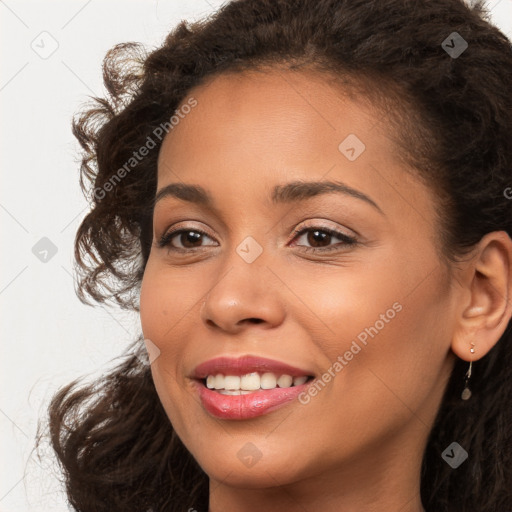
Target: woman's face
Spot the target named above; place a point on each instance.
(358, 299)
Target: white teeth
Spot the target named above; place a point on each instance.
(268, 381)
(285, 381)
(210, 381)
(298, 381)
(241, 385)
(219, 381)
(232, 382)
(250, 382)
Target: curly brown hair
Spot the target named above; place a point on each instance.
(453, 122)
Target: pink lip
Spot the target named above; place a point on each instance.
(246, 364)
(242, 407)
(257, 403)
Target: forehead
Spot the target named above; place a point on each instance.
(273, 108)
(252, 130)
(262, 119)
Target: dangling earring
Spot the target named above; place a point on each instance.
(466, 392)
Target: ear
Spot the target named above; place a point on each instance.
(487, 290)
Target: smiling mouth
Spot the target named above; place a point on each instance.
(252, 382)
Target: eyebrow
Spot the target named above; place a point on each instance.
(291, 192)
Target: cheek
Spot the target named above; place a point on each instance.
(391, 333)
(339, 304)
(153, 305)
(166, 298)
(162, 305)
(399, 374)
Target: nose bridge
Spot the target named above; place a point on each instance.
(244, 289)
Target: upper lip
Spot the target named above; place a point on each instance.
(245, 364)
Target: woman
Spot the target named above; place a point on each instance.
(307, 202)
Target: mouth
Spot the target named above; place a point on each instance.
(235, 385)
(248, 386)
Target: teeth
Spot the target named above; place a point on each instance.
(210, 382)
(241, 385)
(285, 381)
(268, 381)
(232, 382)
(298, 381)
(219, 381)
(250, 382)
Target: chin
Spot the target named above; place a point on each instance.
(260, 476)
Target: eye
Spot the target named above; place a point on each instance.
(320, 238)
(187, 238)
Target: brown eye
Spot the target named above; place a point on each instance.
(320, 239)
(184, 239)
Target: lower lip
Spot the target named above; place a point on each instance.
(242, 407)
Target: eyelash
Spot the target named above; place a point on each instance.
(347, 240)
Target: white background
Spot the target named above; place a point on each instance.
(48, 336)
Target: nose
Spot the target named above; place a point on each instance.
(245, 294)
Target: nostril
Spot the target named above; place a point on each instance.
(255, 320)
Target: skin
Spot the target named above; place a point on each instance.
(358, 444)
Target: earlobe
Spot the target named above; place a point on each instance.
(485, 316)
